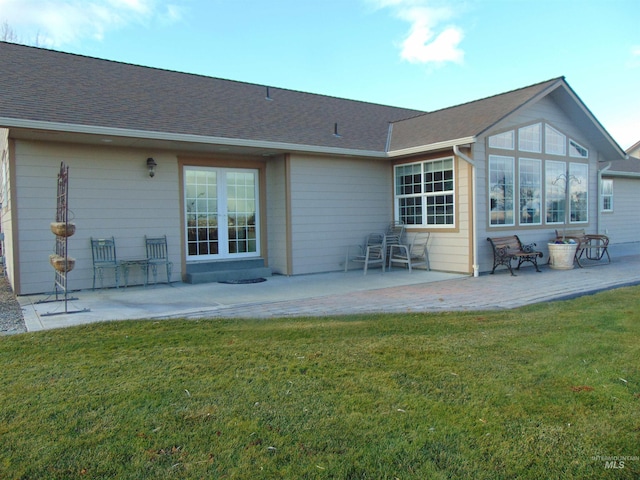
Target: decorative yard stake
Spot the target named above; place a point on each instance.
(62, 229)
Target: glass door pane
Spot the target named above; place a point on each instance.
(221, 212)
(201, 199)
(241, 212)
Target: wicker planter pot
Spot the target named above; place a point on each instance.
(561, 255)
(60, 264)
(62, 229)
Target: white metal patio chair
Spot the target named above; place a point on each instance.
(415, 254)
(372, 252)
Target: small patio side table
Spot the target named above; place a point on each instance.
(141, 263)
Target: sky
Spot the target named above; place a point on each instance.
(422, 54)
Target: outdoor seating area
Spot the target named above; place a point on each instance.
(104, 256)
(411, 255)
(387, 248)
(506, 249)
(589, 246)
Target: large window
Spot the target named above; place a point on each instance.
(555, 142)
(555, 188)
(424, 193)
(501, 182)
(578, 192)
(529, 138)
(530, 191)
(538, 177)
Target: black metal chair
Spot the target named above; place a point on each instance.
(103, 252)
(157, 255)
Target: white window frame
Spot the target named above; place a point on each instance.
(556, 147)
(576, 150)
(578, 182)
(528, 170)
(216, 207)
(503, 141)
(555, 191)
(606, 193)
(501, 194)
(422, 198)
(530, 138)
(554, 151)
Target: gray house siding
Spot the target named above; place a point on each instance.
(335, 202)
(110, 194)
(277, 208)
(622, 225)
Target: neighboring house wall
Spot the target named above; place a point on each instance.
(6, 201)
(622, 225)
(110, 194)
(543, 111)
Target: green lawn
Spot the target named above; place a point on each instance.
(548, 391)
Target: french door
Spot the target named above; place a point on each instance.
(221, 213)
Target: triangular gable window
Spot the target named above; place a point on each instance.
(577, 150)
(503, 140)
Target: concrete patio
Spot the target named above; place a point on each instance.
(336, 293)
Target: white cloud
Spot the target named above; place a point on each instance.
(634, 60)
(54, 23)
(425, 42)
(431, 39)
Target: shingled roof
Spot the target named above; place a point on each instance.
(50, 90)
(463, 122)
(48, 86)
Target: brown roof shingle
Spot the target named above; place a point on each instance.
(463, 121)
(50, 86)
(38, 85)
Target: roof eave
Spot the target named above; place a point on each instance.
(403, 152)
(613, 173)
(186, 138)
(617, 149)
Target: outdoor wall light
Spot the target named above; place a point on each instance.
(151, 165)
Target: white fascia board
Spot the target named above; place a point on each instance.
(613, 173)
(184, 137)
(431, 147)
(596, 123)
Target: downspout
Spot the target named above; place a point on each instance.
(599, 211)
(474, 254)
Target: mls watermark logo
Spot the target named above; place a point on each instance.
(615, 462)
